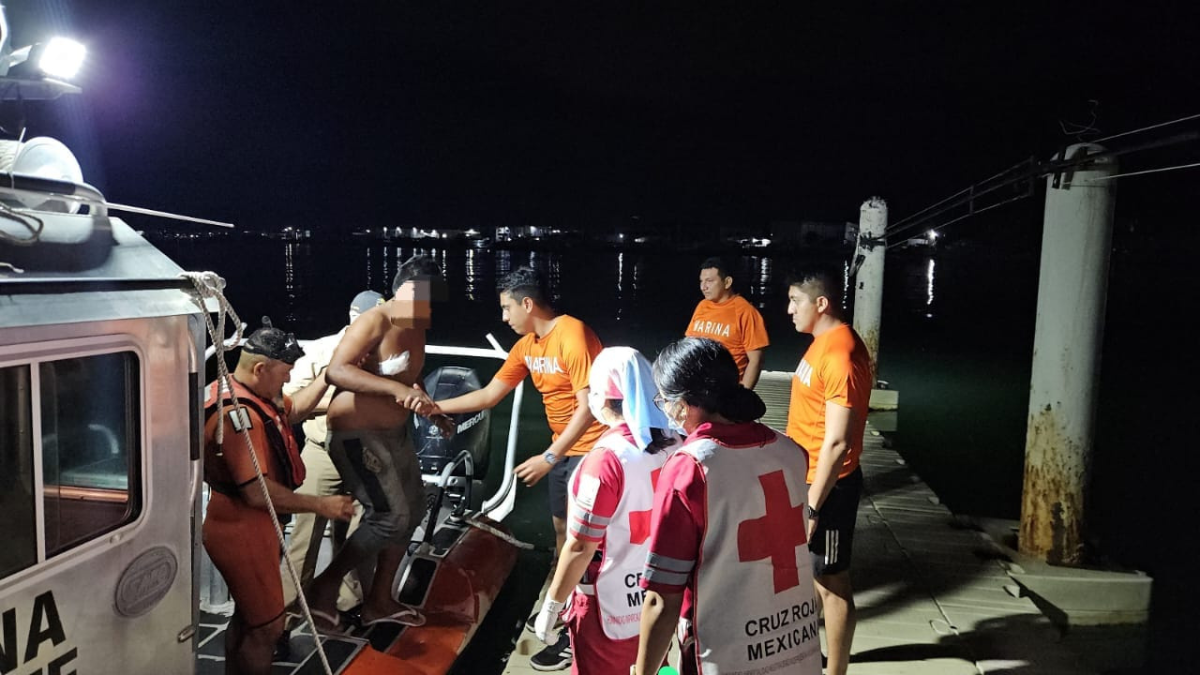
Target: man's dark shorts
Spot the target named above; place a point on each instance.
(559, 477)
(833, 540)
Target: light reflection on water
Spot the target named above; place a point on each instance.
(633, 296)
(929, 288)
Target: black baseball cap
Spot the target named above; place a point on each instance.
(273, 343)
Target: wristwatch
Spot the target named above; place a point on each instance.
(813, 514)
(550, 457)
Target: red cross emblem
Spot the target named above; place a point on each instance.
(639, 521)
(775, 535)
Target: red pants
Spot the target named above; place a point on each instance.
(596, 653)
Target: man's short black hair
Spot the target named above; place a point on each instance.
(524, 282)
(717, 264)
(821, 281)
(420, 267)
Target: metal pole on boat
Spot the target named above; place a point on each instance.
(1076, 239)
(868, 281)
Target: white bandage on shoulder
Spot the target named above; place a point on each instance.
(394, 364)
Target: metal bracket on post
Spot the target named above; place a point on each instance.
(862, 246)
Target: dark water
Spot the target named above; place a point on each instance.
(957, 341)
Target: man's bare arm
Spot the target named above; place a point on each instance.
(336, 507)
(480, 399)
(535, 468)
(306, 401)
(833, 452)
(308, 368)
(753, 368)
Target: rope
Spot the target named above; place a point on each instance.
(1152, 126)
(1160, 169)
(476, 522)
(210, 286)
(35, 229)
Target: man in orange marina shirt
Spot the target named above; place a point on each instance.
(725, 316)
(556, 350)
(827, 415)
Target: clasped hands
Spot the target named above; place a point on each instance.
(419, 402)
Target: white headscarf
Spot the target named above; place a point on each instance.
(623, 373)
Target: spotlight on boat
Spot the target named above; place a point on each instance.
(57, 59)
(61, 58)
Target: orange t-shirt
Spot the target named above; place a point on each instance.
(836, 368)
(734, 323)
(560, 364)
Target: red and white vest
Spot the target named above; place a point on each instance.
(626, 541)
(754, 608)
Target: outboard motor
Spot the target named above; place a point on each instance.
(472, 430)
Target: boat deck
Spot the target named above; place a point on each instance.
(933, 593)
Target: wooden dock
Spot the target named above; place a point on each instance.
(934, 594)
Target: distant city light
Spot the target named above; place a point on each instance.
(61, 58)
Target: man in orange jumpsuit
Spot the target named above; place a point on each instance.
(238, 533)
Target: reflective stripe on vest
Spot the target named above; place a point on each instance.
(617, 588)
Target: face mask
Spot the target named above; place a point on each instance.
(676, 424)
(596, 405)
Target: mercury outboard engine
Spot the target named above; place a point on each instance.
(472, 430)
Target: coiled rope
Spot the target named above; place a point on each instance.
(208, 286)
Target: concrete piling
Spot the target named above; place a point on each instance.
(1076, 240)
(868, 282)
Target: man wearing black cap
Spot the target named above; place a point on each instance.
(375, 368)
(238, 533)
(323, 477)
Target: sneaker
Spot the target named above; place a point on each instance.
(555, 657)
(531, 623)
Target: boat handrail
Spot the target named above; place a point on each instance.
(65, 190)
(499, 505)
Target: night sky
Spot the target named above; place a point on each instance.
(348, 114)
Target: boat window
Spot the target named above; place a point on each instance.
(17, 514)
(90, 431)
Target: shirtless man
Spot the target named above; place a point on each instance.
(375, 368)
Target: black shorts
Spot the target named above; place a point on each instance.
(833, 540)
(559, 477)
